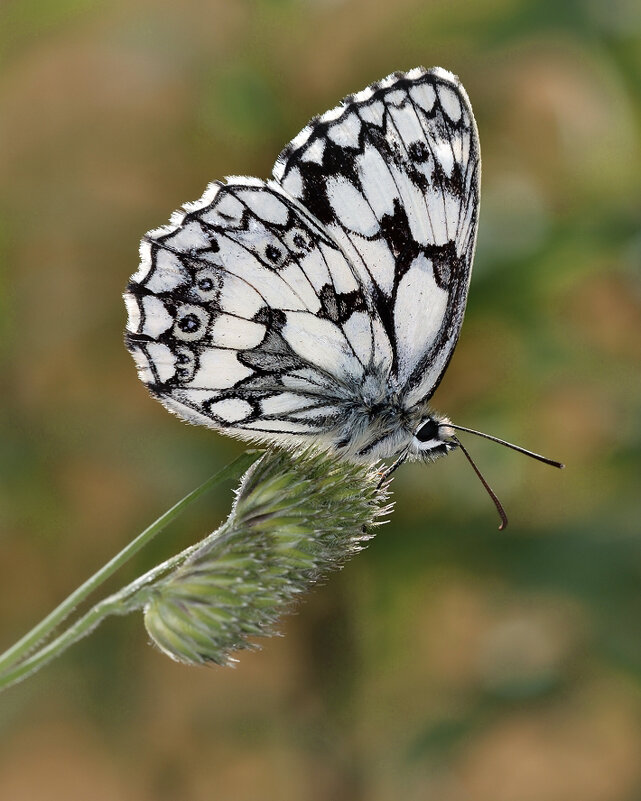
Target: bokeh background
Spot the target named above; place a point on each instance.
(448, 661)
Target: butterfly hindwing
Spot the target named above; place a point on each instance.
(393, 174)
(245, 314)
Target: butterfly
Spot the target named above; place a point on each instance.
(323, 306)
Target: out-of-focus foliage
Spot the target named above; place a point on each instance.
(448, 661)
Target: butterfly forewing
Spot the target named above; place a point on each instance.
(271, 309)
(393, 174)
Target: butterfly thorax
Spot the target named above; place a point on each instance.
(378, 426)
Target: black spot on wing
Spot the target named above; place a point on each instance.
(336, 161)
(448, 267)
(273, 319)
(418, 152)
(267, 361)
(272, 355)
(339, 306)
(329, 303)
(395, 228)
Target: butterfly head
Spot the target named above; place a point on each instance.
(432, 438)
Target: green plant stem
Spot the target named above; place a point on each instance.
(9, 673)
(129, 598)
(83, 626)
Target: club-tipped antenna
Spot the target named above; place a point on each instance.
(518, 448)
(490, 491)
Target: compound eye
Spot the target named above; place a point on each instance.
(427, 431)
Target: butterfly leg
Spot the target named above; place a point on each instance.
(387, 472)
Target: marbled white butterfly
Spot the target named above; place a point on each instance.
(323, 305)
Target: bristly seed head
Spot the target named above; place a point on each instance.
(296, 517)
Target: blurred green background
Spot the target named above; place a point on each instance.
(448, 661)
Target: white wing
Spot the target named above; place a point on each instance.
(393, 173)
(245, 315)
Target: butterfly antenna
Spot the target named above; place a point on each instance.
(538, 456)
(490, 491)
